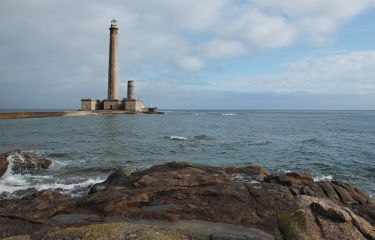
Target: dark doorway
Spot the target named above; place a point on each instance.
(110, 107)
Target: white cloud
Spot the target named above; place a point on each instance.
(219, 49)
(191, 63)
(343, 72)
(319, 20)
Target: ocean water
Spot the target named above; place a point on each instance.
(331, 145)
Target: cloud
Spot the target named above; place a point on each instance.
(219, 49)
(316, 20)
(342, 72)
(191, 63)
(58, 49)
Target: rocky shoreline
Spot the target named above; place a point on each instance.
(185, 201)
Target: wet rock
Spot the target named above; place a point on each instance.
(18, 194)
(22, 162)
(25, 161)
(3, 164)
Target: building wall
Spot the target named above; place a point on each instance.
(133, 105)
(89, 105)
(112, 105)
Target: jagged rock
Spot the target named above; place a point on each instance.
(3, 164)
(367, 211)
(22, 162)
(17, 194)
(363, 226)
(176, 192)
(313, 218)
(331, 211)
(303, 184)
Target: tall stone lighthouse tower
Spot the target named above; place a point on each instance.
(113, 62)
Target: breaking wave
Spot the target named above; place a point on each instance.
(229, 114)
(193, 138)
(179, 138)
(323, 178)
(15, 185)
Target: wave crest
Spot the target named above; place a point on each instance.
(193, 138)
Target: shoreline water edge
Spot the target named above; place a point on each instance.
(179, 200)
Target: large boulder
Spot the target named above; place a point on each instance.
(22, 162)
(181, 191)
(317, 219)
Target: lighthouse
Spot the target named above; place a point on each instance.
(130, 104)
(113, 102)
(113, 62)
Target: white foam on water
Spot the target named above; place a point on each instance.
(228, 114)
(38, 176)
(178, 138)
(68, 188)
(11, 182)
(285, 170)
(323, 178)
(59, 164)
(20, 182)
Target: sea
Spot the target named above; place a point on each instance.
(330, 145)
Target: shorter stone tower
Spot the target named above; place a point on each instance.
(131, 89)
(131, 103)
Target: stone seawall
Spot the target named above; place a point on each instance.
(16, 115)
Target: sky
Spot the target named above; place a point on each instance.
(211, 54)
